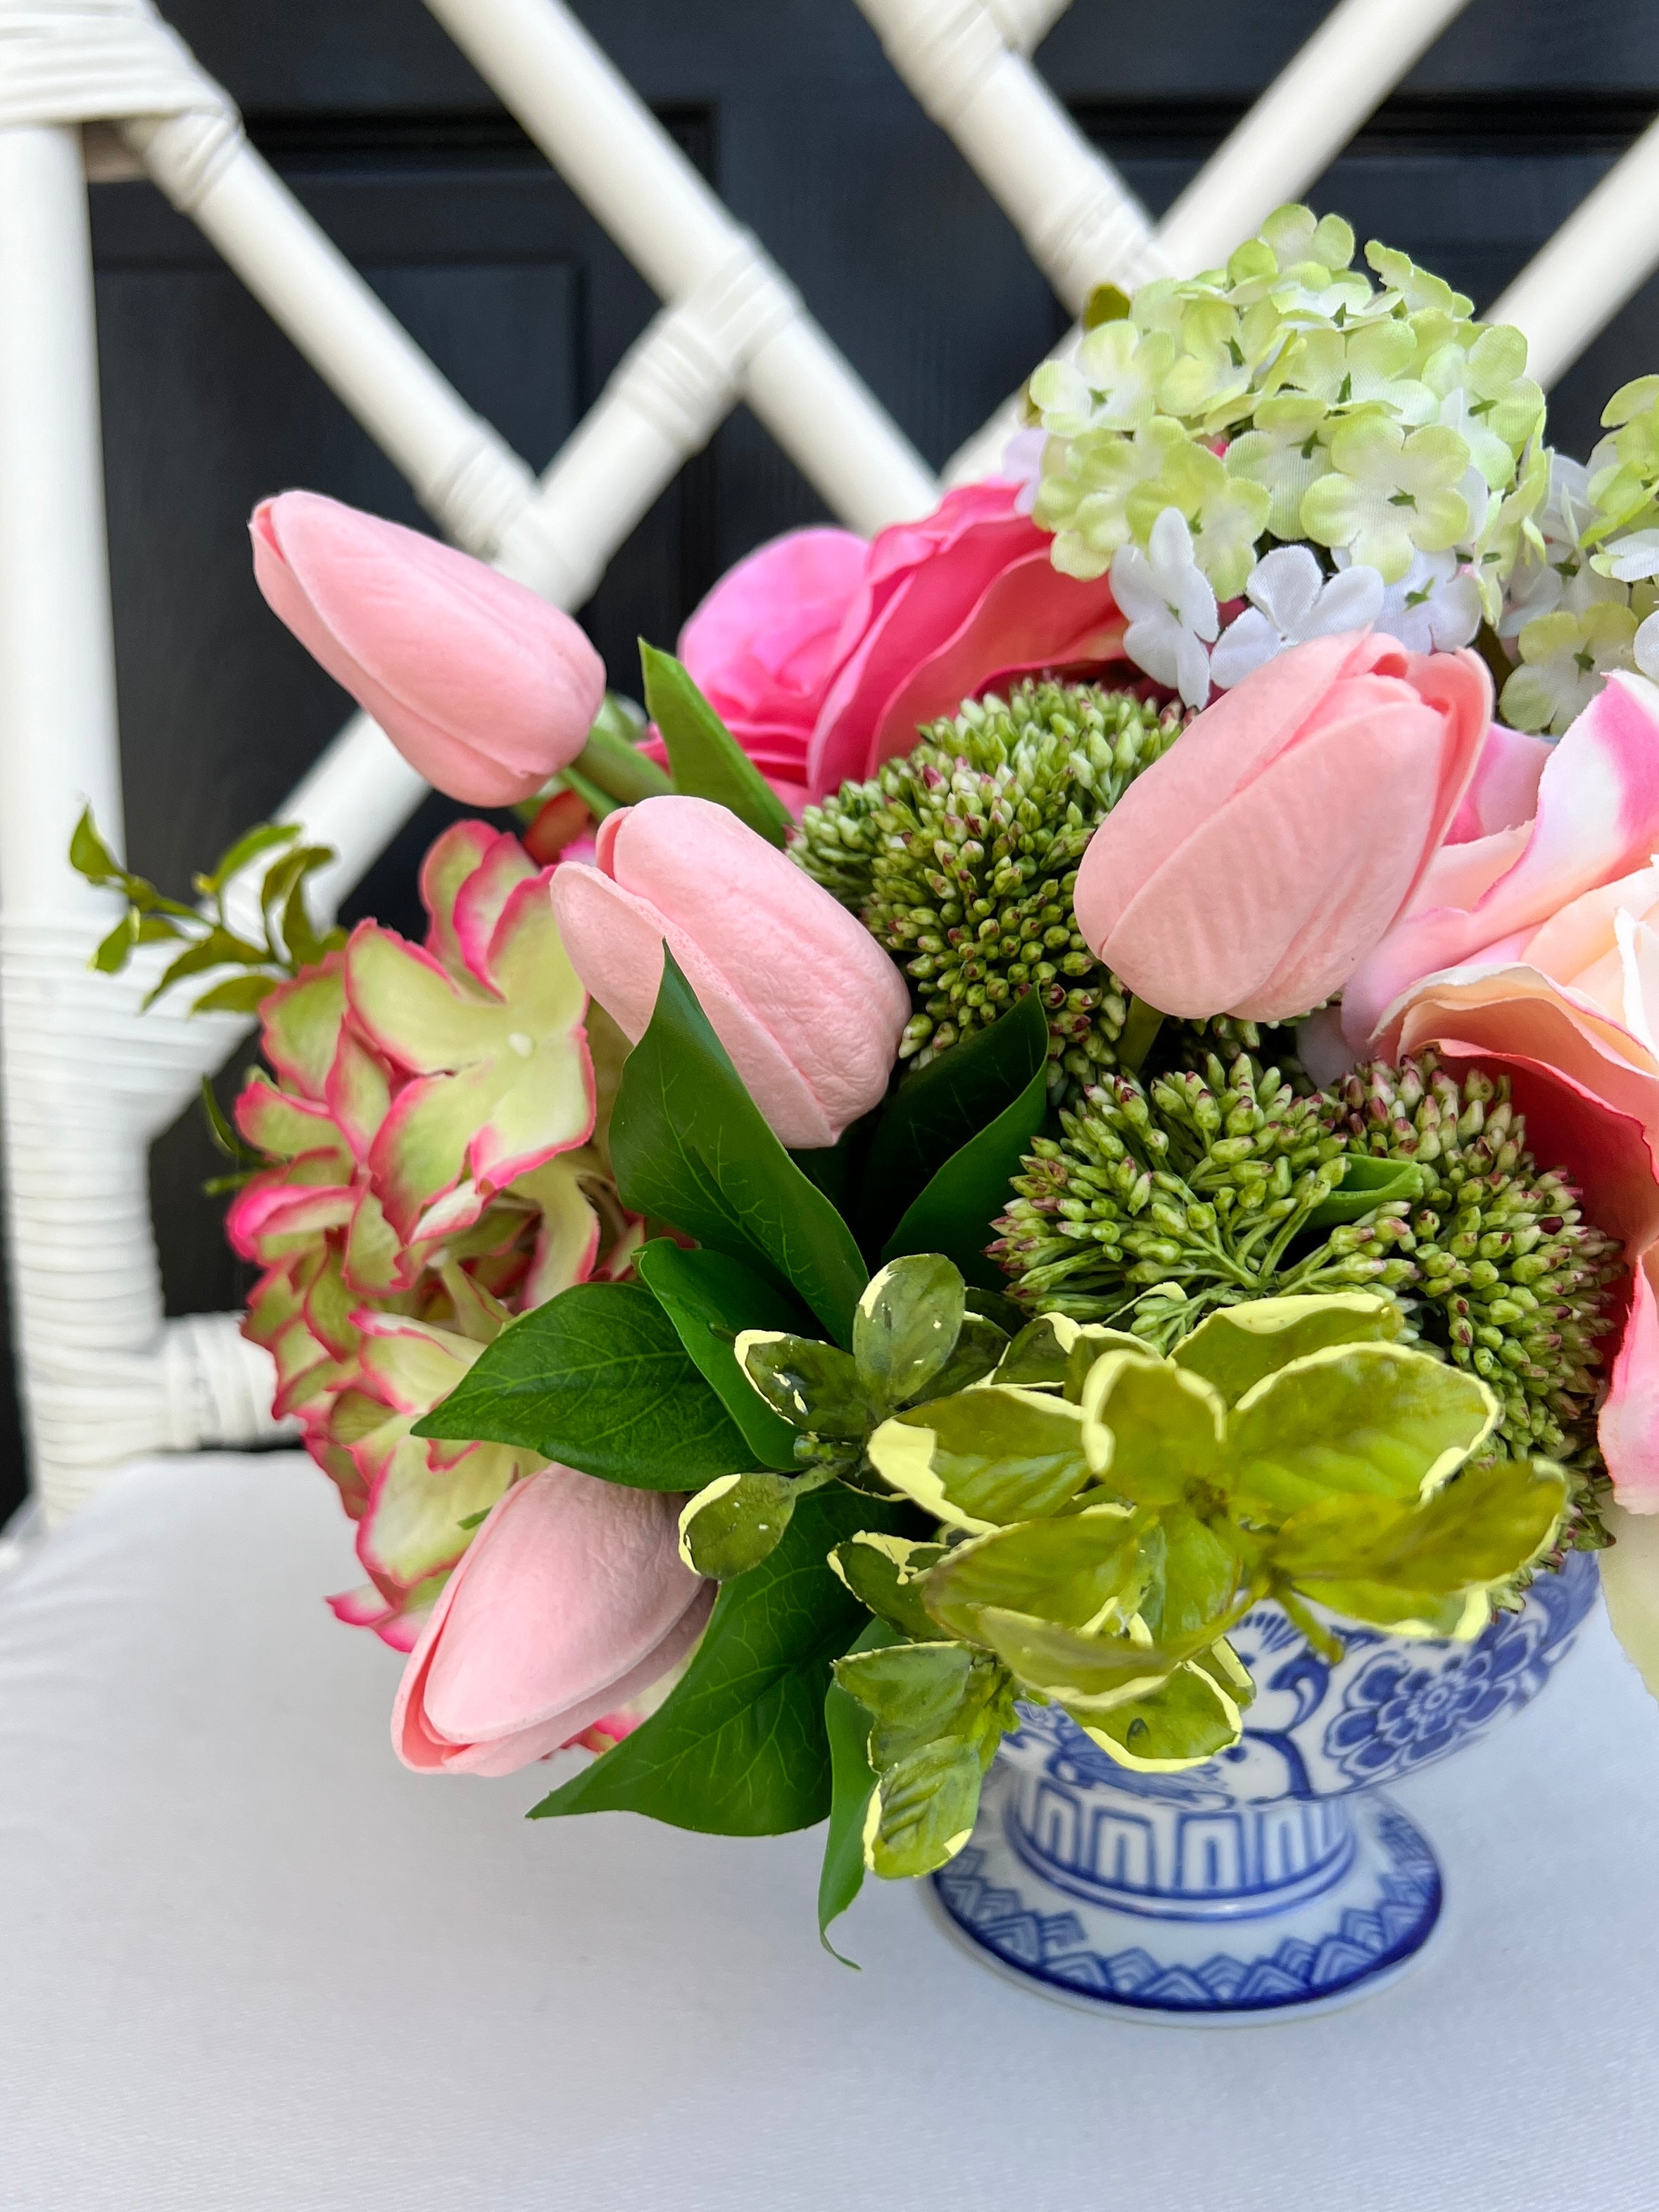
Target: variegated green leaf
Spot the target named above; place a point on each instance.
(883, 1573)
(922, 1809)
(905, 1326)
(1084, 1569)
(735, 1522)
(1186, 1720)
(1235, 1348)
(810, 1385)
(1151, 1432)
(985, 1457)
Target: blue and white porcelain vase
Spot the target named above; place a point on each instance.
(1275, 1879)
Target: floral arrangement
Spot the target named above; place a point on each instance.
(1077, 1068)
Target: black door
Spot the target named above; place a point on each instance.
(789, 106)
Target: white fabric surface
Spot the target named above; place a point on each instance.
(249, 1965)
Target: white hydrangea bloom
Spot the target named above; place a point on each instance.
(1435, 607)
(1291, 601)
(1170, 605)
(1631, 559)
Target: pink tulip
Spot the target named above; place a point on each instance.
(963, 602)
(1252, 869)
(481, 686)
(800, 995)
(572, 1600)
(1595, 818)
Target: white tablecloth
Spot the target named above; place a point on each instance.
(247, 1961)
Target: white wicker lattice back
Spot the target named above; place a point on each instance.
(88, 1082)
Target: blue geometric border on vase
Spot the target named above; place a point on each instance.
(1268, 1878)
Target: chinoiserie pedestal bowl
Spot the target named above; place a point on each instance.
(1269, 1882)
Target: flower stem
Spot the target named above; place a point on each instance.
(1140, 1030)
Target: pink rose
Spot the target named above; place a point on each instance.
(1557, 822)
(571, 1601)
(762, 646)
(963, 602)
(800, 995)
(484, 687)
(824, 655)
(1254, 867)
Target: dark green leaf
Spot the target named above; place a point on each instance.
(707, 759)
(955, 1213)
(690, 1147)
(1367, 1184)
(223, 1132)
(597, 1379)
(852, 1780)
(935, 1112)
(739, 1748)
(709, 1298)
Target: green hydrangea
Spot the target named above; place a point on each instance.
(962, 858)
(1200, 1191)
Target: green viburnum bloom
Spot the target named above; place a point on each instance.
(1156, 1204)
(1223, 351)
(1286, 453)
(962, 858)
(1108, 1514)
(1484, 393)
(1565, 659)
(1369, 366)
(1512, 533)
(1415, 289)
(1624, 480)
(1226, 514)
(1391, 493)
(1084, 492)
(1112, 383)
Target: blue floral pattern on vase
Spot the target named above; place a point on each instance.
(1267, 1879)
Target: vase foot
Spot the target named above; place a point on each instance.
(1283, 1961)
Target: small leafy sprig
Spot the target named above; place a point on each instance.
(290, 941)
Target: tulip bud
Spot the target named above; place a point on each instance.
(1251, 869)
(806, 1003)
(483, 687)
(571, 1601)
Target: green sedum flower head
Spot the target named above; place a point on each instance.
(1156, 1206)
(961, 859)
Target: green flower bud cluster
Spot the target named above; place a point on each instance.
(1157, 1204)
(961, 859)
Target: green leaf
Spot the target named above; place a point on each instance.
(1088, 1675)
(1236, 1346)
(248, 847)
(989, 1455)
(807, 1384)
(906, 1325)
(1150, 1430)
(1082, 1569)
(710, 1298)
(738, 1748)
(219, 948)
(923, 1809)
(979, 1345)
(707, 759)
(734, 1522)
(1186, 1720)
(240, 995)
(883, 1573)
(597, 1379)
(938, 1108)
(115, 950)
(852, 1781)
(691, 1148)
(225, 1136)
(1366, 1184)
(1365, 1419)
(954, 1214)
(1392, 1560)
(89, 856)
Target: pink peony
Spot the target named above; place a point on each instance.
(572, 1601)
(824, 655)
(805, 1001)
(483, 687)
(1261, 859)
